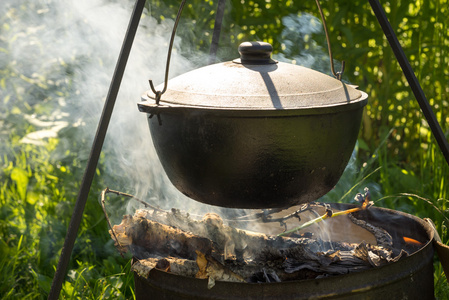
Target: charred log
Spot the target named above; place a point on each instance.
(208, 248)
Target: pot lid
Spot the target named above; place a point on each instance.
(255, 81)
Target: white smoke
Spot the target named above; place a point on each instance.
(72, 48)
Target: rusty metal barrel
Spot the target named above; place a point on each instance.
(409, 278)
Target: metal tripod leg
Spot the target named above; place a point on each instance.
(100, 136)
(92, 162)
(217, 31)
(411, 78)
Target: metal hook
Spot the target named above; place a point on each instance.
(158, 94)
(336, 74)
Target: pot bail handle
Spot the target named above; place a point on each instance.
(158, 94)
(338, 74)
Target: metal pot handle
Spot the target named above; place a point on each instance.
(336, 74)
(158, 94)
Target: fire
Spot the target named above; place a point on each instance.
(412, 241)
(213, 248)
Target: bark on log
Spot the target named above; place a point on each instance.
(146, 236)
(232, 242)
(208, 248)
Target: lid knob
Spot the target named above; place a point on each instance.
(256, 53)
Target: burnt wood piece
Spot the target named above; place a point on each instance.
(225, 253)
(144, 237)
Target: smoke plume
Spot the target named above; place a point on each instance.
(70, 48)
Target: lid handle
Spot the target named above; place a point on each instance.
(256, 53)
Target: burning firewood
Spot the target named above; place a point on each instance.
(175, 242)
(273, 267)
(232, 242)
(220, 252)
(142, 235)
(169, 264)
(208, 235)
(211, 269)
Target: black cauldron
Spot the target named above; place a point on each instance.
(253, 132)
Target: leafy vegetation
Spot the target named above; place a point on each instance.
(44, 142)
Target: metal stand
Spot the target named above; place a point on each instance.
(97, 145)
(411, 78)
(112, 96)
(217, 31)
(75, 221)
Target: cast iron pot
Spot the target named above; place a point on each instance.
(253, 132)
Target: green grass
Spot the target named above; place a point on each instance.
(33, 222)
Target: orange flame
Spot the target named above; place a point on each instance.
(412, 241)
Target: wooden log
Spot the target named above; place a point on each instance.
(146, 236)
(232, 242)
(178, 266)
(208, 248)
